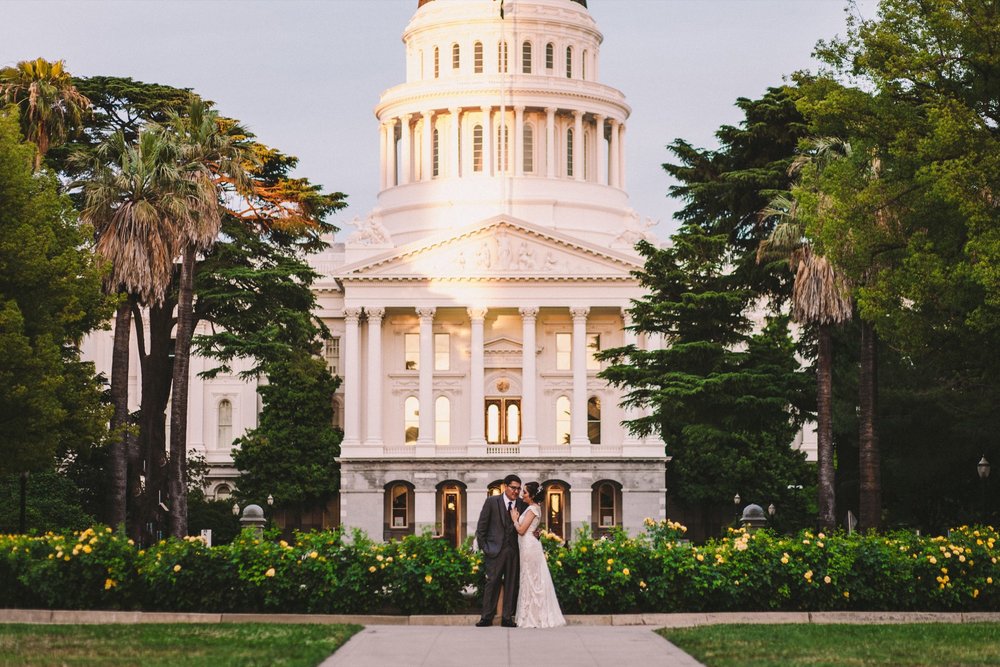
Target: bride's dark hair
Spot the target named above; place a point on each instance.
(535, 491)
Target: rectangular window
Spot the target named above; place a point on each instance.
(526, 58)
(411, 351)
(331, 353)
(529, 149)
(442, 352)
(549, 56)
(477, 58)
(564, 351)
(593, 347)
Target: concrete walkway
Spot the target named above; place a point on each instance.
(461, 646)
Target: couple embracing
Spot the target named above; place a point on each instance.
(507, 535)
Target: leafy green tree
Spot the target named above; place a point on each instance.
(50, 296)
(727, 402)
(291, 454)
(53, 503)
(51, 107)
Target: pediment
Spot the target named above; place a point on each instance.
(498, 249)
(502, 345)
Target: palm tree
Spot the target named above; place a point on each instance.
(213, 155)
(133, 196)
(820, 298)
(50, 105)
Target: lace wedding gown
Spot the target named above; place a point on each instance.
(537, 606)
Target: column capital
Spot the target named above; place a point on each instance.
(519, 108)
(477, 313)
(614, 122)
(374, 312)
(454, 110)
(426, 311)
(427, 113)
(551, 110)
(577, 113)
(579, 312)
(352, 314)
(528, 312)
(486, 108)
(406, 117)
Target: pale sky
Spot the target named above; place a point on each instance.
(306, 75)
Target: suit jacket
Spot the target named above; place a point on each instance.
(495, 529)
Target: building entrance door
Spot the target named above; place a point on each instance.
(450, 514)
(555, 510)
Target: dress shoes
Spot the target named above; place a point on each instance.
(508, 624)
(484, 623)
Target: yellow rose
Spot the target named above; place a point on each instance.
(611, 561)
(583, 550)
(270, 572)
(700, 558)
(109, 584)
(379, 558)
(625, 572)
(177, 568)
(87, 549)
(989, 580)
(314, 554)
(428, 578)
(642, 584)
(371, 569)
(827, 579)
(847, 594)
(808, 575)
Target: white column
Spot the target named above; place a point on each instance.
(352, 380)
(390, 155)
(426, 384)
(631, 413)
(454, 168)
(406, 152)
(426, 171)
(550, 142)
(487, 141)
(373, 404)
(613, 161)
(518, 152)
(578, 419)
(383, 133)
(600, 150)
(477, 379)
(529, 401)
(578, 145)
(621, 158)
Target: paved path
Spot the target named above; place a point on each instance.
(460, 646)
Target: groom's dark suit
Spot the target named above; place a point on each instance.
(497, 540)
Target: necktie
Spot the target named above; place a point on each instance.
(510, 505)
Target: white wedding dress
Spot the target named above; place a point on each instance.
(537, 606)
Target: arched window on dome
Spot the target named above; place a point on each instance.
(477, 148)
(225, 435)
(477, 57)
(569, 62)
(563, 420)
(411, 419)
(550, 56)
(503, 131)
(528, 149)
(442, 421)
(526, 58)
(437, 62)
(435, 154)
(502, 57)
(569, 152)
(456, 56)
(594, 420)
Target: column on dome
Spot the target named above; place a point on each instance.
(426, 375)
(373, 402)
(406, 154)
(477, 379)
(352, 379)
(613, 161)
(390, 153)
(383, 155)
(487, 141)
(529, 380)
(600, 153)
(631, 412)
(578, 419)
(426, 151)
(518, 152)
(578, 141)
(621, 158)
(454, 166)
(550, 142)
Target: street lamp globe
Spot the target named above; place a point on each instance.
(236, 509)
(983, 467)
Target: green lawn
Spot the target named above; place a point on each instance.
(215, 645)
(924, 644)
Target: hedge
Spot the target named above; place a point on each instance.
(657, 571)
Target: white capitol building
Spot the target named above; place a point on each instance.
(466, 306)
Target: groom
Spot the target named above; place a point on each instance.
(497, 539)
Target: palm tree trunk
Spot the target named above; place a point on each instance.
(119, 418)
(870, 507)
(824, 429)
(179, 396)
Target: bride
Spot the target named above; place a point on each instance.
(537, 606)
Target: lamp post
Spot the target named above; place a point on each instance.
(736, 506)
(983, 468)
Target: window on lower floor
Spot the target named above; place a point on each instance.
(223, 492)
(593, 347)
(563, 420)
(331, 354)
(442, 352)
(399, 505)
(411, 419)
(607, 504)
(564, 351)
(411, 351)
(594, 420)
(225, 435)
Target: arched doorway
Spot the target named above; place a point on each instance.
(451, 511)
(557, 508)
